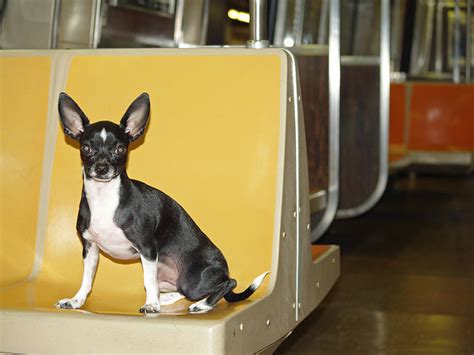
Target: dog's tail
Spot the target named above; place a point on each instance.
(231, 296)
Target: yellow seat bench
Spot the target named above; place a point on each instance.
(225, 139)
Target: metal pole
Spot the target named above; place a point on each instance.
(97, 24)
(53, 41)
(258, 24)
(468, 40)
(334, 110)
(457, 44)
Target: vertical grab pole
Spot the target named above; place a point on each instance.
(468, 41)
(258, 25)
(457, 43)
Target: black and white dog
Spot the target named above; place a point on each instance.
(128, 219)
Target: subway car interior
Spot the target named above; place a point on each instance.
(327, 143)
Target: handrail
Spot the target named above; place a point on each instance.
(258, 25)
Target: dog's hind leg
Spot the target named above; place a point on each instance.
(210, 302)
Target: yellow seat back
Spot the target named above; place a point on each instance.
(212, 144)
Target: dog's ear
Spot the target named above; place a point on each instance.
(135, 119)
(73, 119)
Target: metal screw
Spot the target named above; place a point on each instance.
(241, 326)
(294, 214)
(299, 98)
(317, 284)
(283, 234)
(299, 304)
(307, 226)
(293, 306)
(333, 260)
(268, 322)
(290, 99)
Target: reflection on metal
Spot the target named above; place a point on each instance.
(384, 116)
(54, 28)
(334, 100)
(301, 22)
(360, 31)
(78, 24)
(397, 25)
(298, 22)
(422, 37)
(457, 44)
(295, 92)
(359, 60)
(178, 22)
(439, 39)
(311, 50)
(168, 23)
(323, 22)
(27, 24)
(317, 201)
(280, 23)
(436, 159)
(191, 20)
(258, 25)
(440, 47)
(97, 23)
(290, 22)
(469, 41)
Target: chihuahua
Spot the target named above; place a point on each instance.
(128, 219)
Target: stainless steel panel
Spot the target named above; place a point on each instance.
(193, 24)
(77, 23)
(360, 23)
(152, 23)
(27, 24)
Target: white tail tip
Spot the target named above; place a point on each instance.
(259, 280)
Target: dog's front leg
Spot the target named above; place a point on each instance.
(150, 278)
(90, 259)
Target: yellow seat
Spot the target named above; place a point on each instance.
(221, 141)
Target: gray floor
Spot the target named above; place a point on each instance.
(407, 276)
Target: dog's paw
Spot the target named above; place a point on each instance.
(200, 307)
(69, 303)
(150, 308)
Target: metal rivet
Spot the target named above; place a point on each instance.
(317, 284)
(268, 322)
(299, 98)
(241, 326)
(307, 226)
(283, 234)
(293, 306)
(290, 99)
(294, 214)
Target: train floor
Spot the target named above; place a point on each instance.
(407, 275)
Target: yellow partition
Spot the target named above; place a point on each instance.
(24, 89)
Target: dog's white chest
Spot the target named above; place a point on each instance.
(103, 199)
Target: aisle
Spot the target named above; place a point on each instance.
(407, 276)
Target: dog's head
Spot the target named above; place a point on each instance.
(104, 145)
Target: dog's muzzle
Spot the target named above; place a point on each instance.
(101, 172)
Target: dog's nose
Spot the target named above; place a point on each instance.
(101, 169)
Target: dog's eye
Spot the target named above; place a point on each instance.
(120, 150)
(86, 149)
